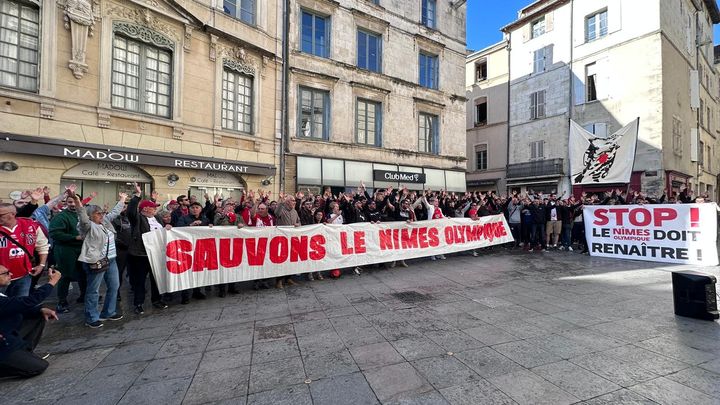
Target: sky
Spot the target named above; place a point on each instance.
(486, 17)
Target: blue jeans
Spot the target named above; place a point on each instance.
(567, 234)
(92, 294)
(19, 287)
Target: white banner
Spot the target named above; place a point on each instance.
(600, 160)
(668, 233)
(183, 258)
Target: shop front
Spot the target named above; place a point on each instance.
(108, 170)
(315, 173)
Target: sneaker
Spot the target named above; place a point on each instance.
(310, 277)
(94, 325)
(279, 284)
(290, 282)
(43, 355)
(432, 258)
(115, 317)
(475, 254)
(62, 307)
(320, 277)
(159, 304)
(139, 310)
(569, 249)
(441, 257)
(402, 263)
(357, 270)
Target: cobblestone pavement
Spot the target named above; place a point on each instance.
(503, 328)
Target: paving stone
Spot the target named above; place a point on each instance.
(120, 376)
(666, 391)
(613, 369)
(223, 359)
(389, 381)
(274, 332)
(45, 387)
(479, 392)
(82, 360)
(620, 397)
(323, 365)
(526, 387)
(699, 379)
(424, 398)
(186, 345)
(171, 367)
(677, 350)
(526, 354)
(454, 341)
(274, 350)
(297, 394)
(130, 353)
(463, 320)
(417, 348)
(575, 380)
(339, 312)
(276, 374)
(445, 371)
(522, 328)
(218, 385)
(648, 360)
(167, 392)
(487, 362)
(559, 346)
(98, 396)
(320, 343)
(713, 365)
(592, 340)
(225, 340)
(351, 389)
(313, 327)
(375, 355)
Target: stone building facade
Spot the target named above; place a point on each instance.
(602, 64)
(180, 96)
(487, 86)
(376, 90)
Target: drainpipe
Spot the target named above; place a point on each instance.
(284, 138)
(507, 146)
(571, 103)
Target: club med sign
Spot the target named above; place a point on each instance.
(399, 177)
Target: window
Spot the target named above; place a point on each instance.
(709, 157)
(702, 113)
(429, 11)
(368, 123)
(537, 105)
(428, 71)
(598, 128)
(314, 113)
(369, 51)
(596, 26)
(237, 101)
(591, 82)
(541, 59)
(141, 77)
(315, 34)
(481, 71)
(481, 156)
(481, 111)
(538, 27)
(536, 150)
(19, 42)
(243, 10)
(428, 133)
(701, 155)
(677, 136)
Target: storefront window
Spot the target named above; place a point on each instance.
(385, 184)
(455, 181)
(357, 173)
(309, 170)
(434, 179)
(333, 172)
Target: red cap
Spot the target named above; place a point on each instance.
(147, 203)
(172, 202)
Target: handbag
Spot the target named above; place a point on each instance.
(103, 264)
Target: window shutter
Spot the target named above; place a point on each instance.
(694, 89)
(532, 150)
(549, 21)
(526, 31)
(548, 57)
(533, 106)
(693, 144)
(541, 103)
(541, 151)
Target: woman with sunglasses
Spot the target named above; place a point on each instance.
(98, 233)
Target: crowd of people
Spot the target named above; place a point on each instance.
(90, 244)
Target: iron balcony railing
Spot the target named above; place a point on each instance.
(536, 168)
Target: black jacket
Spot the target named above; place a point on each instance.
(189, 219)
(138, 226)
(13, 310)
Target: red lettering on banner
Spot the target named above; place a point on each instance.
(433, 239)
(635, 216)
(205, 256)
(178, 259)
(231, 256)
(256, 248)
(449, 235)
(278, 249)
(298, 249)
(386, 239)
(422, 238)
(409, 238)
(317, 247)
(396, 238)
(344, 244)
(359, 238)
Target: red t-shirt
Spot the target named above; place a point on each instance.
(11, 255)
(260, 222)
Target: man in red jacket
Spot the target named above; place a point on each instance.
(20, 239)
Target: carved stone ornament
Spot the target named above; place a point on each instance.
(143, 17)
(188, 37)
(80, 20)
(213, 47)
(236, 59)
(143, 34)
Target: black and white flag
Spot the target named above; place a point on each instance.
(598, 160)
